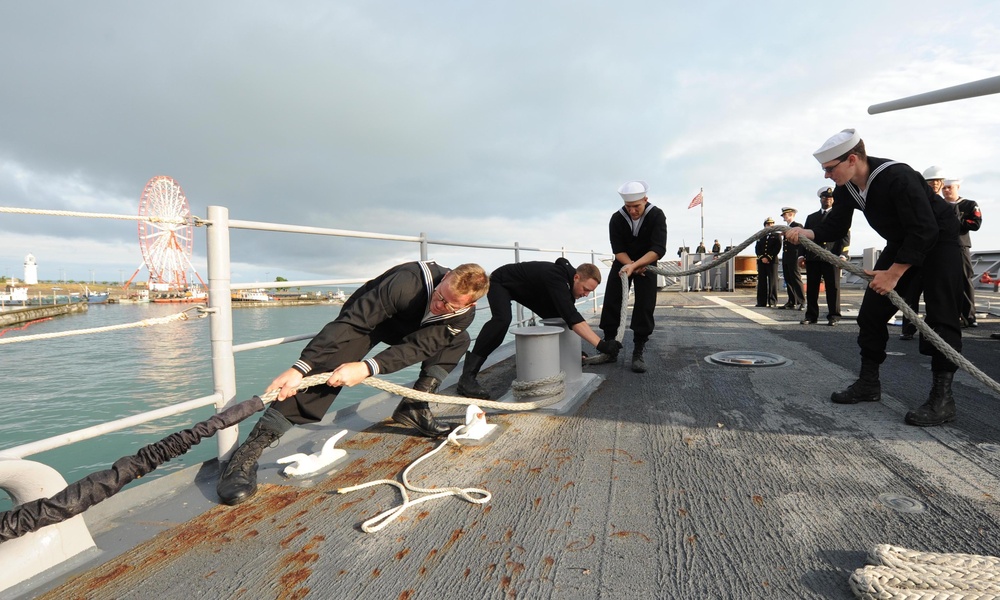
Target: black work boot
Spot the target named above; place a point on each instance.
(417, 414)
(238, 481)
(867, 388)
(638, 365)
(940, 405)
(468, 386)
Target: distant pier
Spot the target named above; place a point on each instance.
(32, 313)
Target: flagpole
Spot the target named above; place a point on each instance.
(702, 192)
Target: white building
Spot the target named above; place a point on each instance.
(30, 270)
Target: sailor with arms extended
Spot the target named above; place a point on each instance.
(921, 234)
(550, 290)
(420, 309)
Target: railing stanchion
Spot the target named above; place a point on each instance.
(221, 320)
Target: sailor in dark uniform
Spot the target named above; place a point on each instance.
(638, 232)
(969, 219)
(550, 290)
(767, 249)
(818, 270)
(420, 309)
(921, 234)
(790, 264)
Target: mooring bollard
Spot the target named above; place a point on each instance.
(537, 352)
(570, 350)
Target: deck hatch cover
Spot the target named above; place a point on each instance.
(900, 503)
(747, 358)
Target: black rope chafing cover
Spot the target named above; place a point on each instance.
(79, 496)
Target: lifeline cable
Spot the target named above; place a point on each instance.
(96, 487)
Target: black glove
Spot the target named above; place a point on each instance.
(610, 348)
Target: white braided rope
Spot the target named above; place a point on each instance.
(902, 574)
(181, 316)
(388, 516)
(399, 390)
(73, 213)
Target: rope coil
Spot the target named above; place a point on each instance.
(903, 574)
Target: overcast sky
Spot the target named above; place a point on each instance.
(469, 121)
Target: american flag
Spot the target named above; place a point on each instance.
(696, 200)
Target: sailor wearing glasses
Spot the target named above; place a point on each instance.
(420, 309)
(921, 234)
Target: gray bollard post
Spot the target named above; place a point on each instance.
(537, 351)
(570, 350)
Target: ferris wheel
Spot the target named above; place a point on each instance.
(166, 233)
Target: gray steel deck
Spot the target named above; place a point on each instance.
(693, 480)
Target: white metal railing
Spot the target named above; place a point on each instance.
(218, 227)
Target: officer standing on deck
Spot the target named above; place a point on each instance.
(767, 249)
(969, 219)
(638, 232)
(790, 264)
(921, 234)
(818, 270)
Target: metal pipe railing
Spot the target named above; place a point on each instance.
(218, 226)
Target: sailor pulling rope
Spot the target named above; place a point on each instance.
(96, 487)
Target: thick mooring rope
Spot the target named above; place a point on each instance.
(181, 316)
(929, 334)
(550, 391)
(902, 574)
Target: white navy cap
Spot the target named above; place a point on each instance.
(788, 209)
(633, 191)
(935, 172)
(953, 182)
(826, 191)
(837, 145)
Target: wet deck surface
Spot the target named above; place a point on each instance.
(693, 480)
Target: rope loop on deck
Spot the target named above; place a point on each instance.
(181, 316)
(902, 574)
(381, 520)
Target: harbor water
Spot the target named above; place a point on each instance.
(60, 385)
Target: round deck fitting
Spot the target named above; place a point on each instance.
(900, 503)
(747, 358)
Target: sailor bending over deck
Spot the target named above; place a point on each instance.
(921, 234)
(550, 290)
(422, 310)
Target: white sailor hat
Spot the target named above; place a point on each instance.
(788, 209)
(633, 191)
(953, 182)
(934, 172)
(837, 145)
(826, 191)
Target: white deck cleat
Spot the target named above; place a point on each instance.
(476, 427)
(307, 464)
